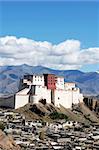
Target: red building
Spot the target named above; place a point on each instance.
(50, 82)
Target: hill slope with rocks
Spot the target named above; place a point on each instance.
(47, 112)
(10, 78)
(7, 143)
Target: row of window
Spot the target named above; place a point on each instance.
(50, 83)
(38, 80)
(60, 84)
(39, 77)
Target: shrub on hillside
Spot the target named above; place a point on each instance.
(57, 115)
(2, 126)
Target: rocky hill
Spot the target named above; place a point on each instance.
(10, 77)
(48, 112)
(7, 143)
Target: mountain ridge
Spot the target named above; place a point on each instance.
(10, 77)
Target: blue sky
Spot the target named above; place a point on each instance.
(53, 22)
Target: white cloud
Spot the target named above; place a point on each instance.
(65, 55)
(89, 56)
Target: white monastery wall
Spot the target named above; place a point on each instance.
(67, 97)
(69, 85)
(21, 98)
(38, 80)
(64, 98)
(41, 93)
(59, 83)
(77, 96)
(65, 93)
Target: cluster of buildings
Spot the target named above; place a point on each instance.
(49, 87)
(59, 135)
(73, 135)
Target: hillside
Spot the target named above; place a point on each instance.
(80, 113)
(7, 143)
(10, 77)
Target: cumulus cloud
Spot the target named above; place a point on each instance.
(65, 55)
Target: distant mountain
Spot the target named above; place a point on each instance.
(97, 71)
(10, 77)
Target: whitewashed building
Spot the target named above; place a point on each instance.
(59, 83)
(39, 92)
(67, 97)
(64, 94)
(64, 98)
(38, 80)
(69, 85)
(34, 79)
(48, 87)
(22, 98)
(77, 96)
(15, 101)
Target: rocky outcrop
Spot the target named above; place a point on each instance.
(7, 143)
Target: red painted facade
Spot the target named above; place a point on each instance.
(50, 81)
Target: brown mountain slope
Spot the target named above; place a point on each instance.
(79, 113)
(7, 143)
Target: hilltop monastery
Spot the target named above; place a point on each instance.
(47, 87)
